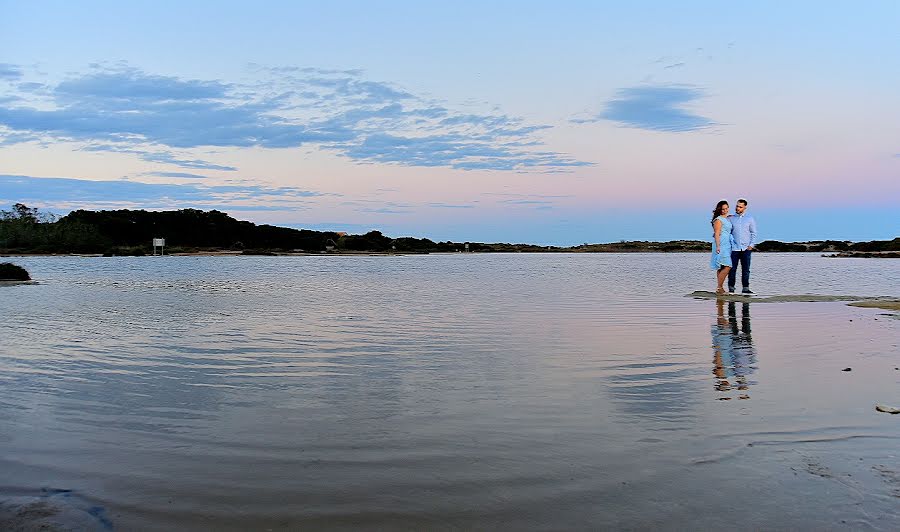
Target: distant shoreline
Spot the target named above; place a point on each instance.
(123, 232)
(347, 253)
(865, 255)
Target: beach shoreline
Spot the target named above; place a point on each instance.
(266, 253)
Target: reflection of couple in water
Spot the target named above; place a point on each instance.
(734, 357)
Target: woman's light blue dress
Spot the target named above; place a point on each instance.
(723, 257)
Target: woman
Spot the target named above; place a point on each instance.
(721, 249)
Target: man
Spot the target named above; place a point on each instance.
(743, 234)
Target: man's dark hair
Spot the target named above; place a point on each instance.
(742, 200)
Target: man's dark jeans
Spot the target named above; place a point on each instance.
(744, 258)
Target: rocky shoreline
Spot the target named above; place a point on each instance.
(865, 255)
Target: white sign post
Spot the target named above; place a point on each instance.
(161, 244)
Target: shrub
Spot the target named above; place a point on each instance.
(774, 245)
(125, 251)
(258, 252)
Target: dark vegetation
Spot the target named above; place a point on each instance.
(130, 232)
(11, 272)
(832, 246)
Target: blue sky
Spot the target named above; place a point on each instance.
(562, 123)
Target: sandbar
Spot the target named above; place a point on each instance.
(882, 302)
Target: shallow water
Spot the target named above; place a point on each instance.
(457, 391)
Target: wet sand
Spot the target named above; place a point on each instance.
(16, 283)
(886, 304)
(51, 511)
(882, 302)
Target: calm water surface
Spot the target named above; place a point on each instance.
(558, 391)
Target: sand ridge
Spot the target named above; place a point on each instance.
(882, 302)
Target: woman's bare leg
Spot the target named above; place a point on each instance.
(721, 275)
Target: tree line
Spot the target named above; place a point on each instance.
(130, 232)
(25, 229)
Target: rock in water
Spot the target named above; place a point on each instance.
(11, 272)
(887, 409)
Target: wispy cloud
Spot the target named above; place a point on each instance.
(130, 107)
(516, 195)
(655, 108)
(9, 71)
(157, 156)
(124, 86)
(57, 190)
(535, 202)
(169, 158)
(452, 150)
(387, 210)
(181, 175)
(528, 203)
(124, 109)
(451, 206)
(380, 207)
(9, 139)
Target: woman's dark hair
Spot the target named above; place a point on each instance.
(717, 211)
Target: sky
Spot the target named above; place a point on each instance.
(558, 122)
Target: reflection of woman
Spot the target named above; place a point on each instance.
(734, 357)
(721, 248)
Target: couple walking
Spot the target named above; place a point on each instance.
(734, 237)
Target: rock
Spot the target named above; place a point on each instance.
(887, 409)
(52, 510)
(11, 272)
(847, 369)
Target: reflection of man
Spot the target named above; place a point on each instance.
(744, 355)
(743, 234)
(734, 357)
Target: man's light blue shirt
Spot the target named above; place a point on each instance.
(743, 231)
